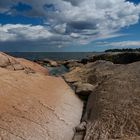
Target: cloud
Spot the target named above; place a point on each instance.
(13, 32)
(122, 44)
(32, 35)
(71, 20)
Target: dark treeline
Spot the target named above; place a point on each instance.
(123, 50)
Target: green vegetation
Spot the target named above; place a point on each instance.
(123, 50)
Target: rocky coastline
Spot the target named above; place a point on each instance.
(34, 105)
(107, 84)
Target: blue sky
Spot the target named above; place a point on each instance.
(69, 25)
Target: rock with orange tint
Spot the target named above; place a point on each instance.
(34, 66)
(34, 106)
(15, 64)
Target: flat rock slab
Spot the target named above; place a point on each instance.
(37, 107)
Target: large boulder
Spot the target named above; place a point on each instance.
(34, 106)
(112, 111)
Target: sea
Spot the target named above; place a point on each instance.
(52, 55)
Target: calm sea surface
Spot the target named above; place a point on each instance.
(52, 55)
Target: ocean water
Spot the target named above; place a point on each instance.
(51, 55)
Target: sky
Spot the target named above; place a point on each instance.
(69, 25)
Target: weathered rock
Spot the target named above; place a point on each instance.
(113, 109)
(16, 64)
(48, 62)
(84, 89)
(34, 106)
(71, 64)
(74, 75)
(33, 66)
(95, 72)
(4, 61)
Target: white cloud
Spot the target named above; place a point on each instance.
(72, 20)
(38, 34)
(122, 44)
(103, 15)
(13, 32)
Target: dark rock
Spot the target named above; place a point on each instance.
(115, 57)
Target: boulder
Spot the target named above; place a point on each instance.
(53, 63)
(73, 76)
(84, 89)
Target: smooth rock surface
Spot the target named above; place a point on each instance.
(34, 106)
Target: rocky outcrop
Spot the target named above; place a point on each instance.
(16, 64)
(71, 64)
(34, 106)
(9, 62)
(115, 57)
(113, 107)
(47, 62)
